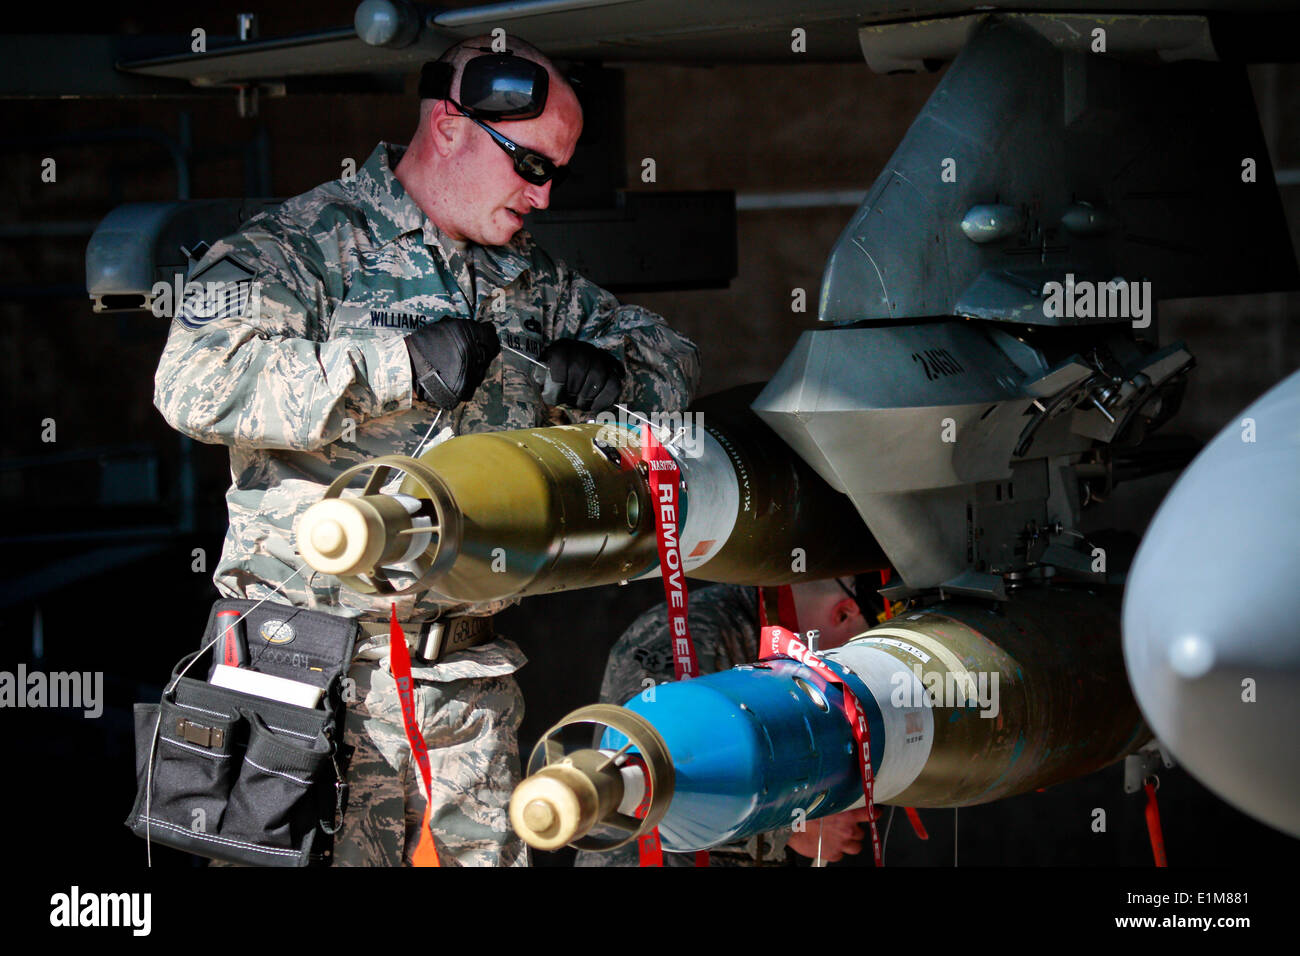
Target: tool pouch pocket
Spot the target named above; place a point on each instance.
(242, 778)
(278, 799)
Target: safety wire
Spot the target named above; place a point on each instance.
(884, 843)
(419, 450)
(157, 726)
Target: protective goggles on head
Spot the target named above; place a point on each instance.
(497, 87)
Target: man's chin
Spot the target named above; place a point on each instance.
(499, 235)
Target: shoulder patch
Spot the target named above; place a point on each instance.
(224, 290)
(225, 269)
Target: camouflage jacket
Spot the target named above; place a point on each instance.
(292, 355)
(724, 630)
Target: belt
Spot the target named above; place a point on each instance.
(429, 640)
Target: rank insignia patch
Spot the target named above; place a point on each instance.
(216, 292)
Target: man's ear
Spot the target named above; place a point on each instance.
(844, 611)
(445, 130)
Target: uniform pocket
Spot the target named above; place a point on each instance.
(277, 799)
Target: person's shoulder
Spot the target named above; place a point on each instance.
(642, 650)
(647, 627)
(706, 607)
(304, 234)
(318, 212)
(726, 600)
(284, 225)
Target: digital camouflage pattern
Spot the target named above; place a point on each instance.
(724, 629)
(292, 356)
(297, 363)
(469, 728)
(723, 619)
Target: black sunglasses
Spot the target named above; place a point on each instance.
(531, 166)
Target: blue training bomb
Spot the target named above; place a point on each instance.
(965, 703)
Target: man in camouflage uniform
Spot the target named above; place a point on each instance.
(724, 625)
(300, 358)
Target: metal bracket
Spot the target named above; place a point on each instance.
(1143, 764)
(200, 734)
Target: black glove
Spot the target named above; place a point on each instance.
(449, 359)
(589, 378)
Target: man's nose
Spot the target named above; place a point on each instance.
(539, 196)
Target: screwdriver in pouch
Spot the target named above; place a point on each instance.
(234, 651)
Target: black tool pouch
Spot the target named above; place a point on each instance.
(241, 778)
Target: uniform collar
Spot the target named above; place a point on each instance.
(389, 211)
(392, 213)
